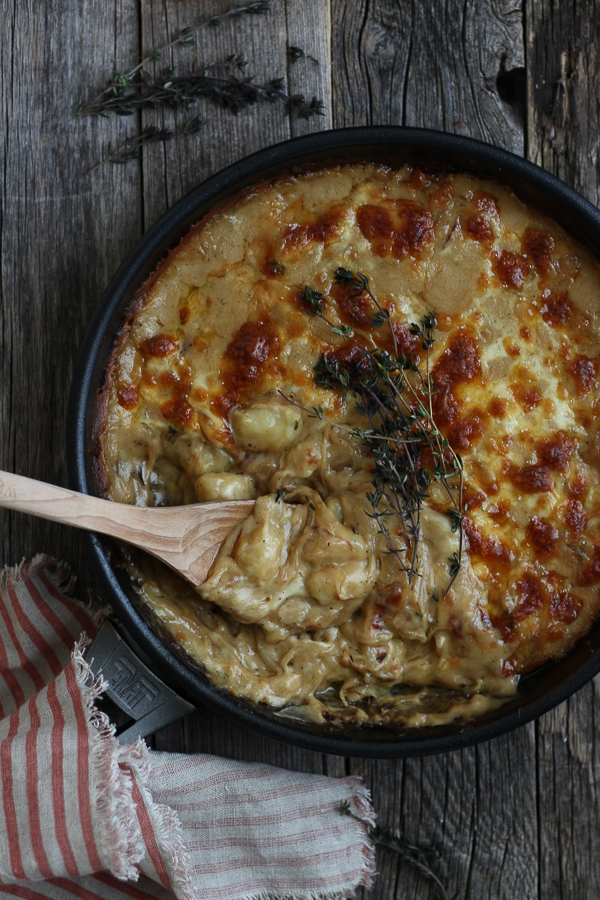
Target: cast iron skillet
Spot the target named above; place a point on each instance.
(538, 692)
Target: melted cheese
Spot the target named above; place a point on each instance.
(304, 609)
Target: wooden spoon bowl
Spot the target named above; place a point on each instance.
(186, 538)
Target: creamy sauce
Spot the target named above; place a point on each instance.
(304, 609)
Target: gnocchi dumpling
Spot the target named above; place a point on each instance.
(224, 486)
(267, 425)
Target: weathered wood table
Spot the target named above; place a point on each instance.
(519, 817)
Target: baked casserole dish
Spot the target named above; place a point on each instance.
(398, 364)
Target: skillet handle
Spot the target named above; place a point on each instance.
(133, 687)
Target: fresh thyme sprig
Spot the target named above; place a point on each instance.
(416, 857)
(395, 397)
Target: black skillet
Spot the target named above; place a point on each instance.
(164, 687)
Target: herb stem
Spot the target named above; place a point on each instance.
(413, 855)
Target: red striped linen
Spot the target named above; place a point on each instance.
(83, 817)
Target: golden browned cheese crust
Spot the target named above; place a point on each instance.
(305, 609)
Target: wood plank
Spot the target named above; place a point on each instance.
(490, 38)
(349, 82)
(563, 100)
(432, 65)
(437, 66)
(172, 169)
(63, 232)
(308, 26)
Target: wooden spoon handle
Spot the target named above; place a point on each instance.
(69, 507)
(187, 538)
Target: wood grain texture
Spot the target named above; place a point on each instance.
(562, 135)
(431, 65)
(519, 817)
(563, 53)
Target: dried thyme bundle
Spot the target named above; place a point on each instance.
(225, 83)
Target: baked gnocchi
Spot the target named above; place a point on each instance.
(212, 394)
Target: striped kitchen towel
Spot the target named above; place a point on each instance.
(81, 816)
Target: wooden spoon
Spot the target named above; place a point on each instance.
(187, 538)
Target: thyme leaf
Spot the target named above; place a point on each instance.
(296, 53)
(456, 518)
(343, 330)
(454, 564)
(132, 146)
(312, 300)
